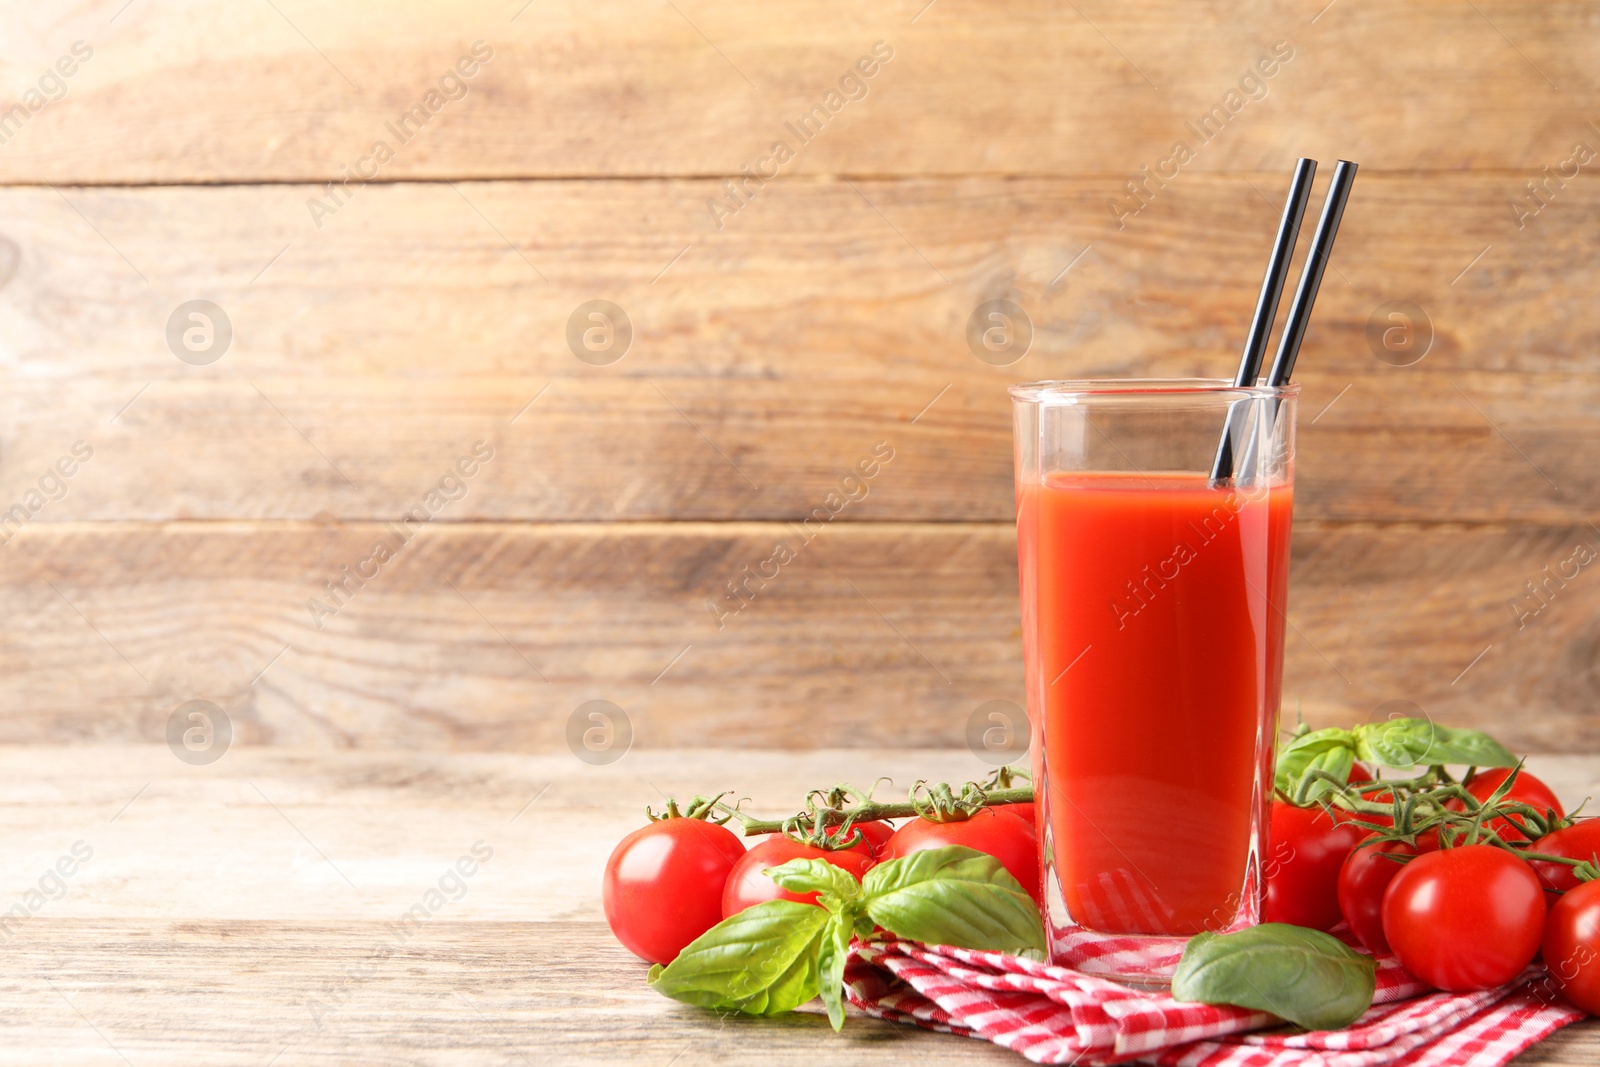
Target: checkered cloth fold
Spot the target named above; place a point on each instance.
(1058, 1015)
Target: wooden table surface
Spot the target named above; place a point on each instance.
(245, 912)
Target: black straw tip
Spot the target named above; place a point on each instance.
(1305, 295)
(1255, 345)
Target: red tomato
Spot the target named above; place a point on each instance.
(663, 885)
(1465, 918)
(1429, 842)
(1528, 790)
(1025, 812)
(1580, 841)
(1302, 867)
(1362, 880)
(1358, 773)
(877, 834)
(1002, 835)
(1572, 946)
(748, 883)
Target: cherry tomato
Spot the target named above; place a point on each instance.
(1358, 773)
(1004, 836)
(1302, 866)
(1025, 812)
(877, 834)
(1362, 880)
(1465, 918)
(1429, 842)
(663, 885)
(1580, 841)
(748, 883)
(1527, 790)
(1572, 946)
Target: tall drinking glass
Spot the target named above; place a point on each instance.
(1152, 618)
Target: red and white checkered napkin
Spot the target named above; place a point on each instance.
(1056, 1015)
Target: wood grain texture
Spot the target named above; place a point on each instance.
(460, 993)
(471, 993)
(379, 335)
(238, 937)
(297, 835)
(214, 922)
(486, 636)
(769, 357)
(187, 91)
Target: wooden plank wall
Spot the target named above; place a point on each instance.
(782, 330)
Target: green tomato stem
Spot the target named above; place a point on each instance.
(867, 811)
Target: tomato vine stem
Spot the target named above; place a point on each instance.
(830, 817)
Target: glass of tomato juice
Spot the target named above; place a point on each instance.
(1153, 599)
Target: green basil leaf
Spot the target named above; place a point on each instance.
(1331, 750)
(831, 954)
(762, 961)
(836, 887)
(1418, 742)
(838, 891)
(953, 896)
(1304, 976)
(1471, 747)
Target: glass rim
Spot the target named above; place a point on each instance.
(1066, 390)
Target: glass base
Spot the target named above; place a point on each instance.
(1144, 960)
(1147, 961)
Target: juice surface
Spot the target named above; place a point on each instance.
(1154, 647)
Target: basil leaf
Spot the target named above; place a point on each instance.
(1418, 742)
(1471, 747)
(831, 954)
(762, 961)
(953, 896)
(836, 887)
(1331, 750)
(838, 891)
(1305, 976)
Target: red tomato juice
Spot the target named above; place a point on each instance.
(1153, 634)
